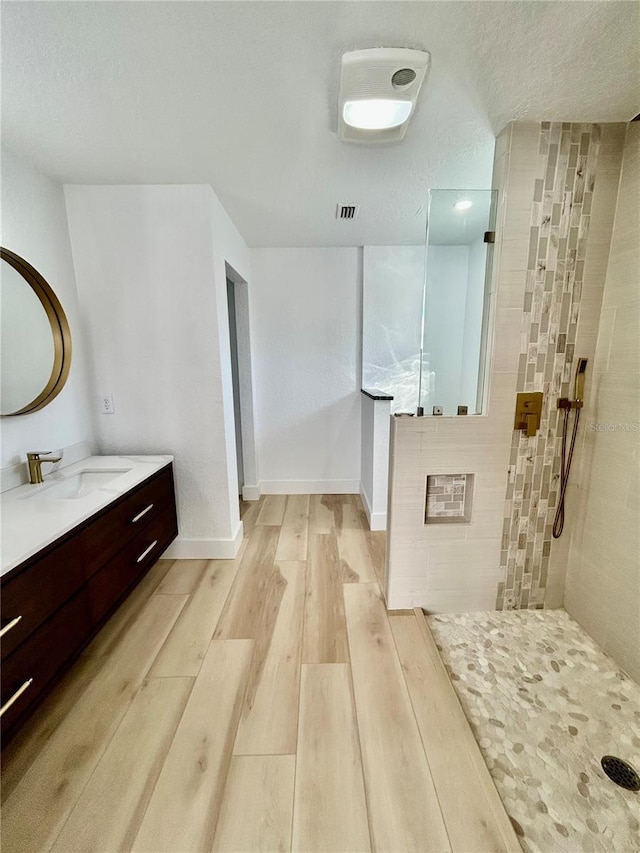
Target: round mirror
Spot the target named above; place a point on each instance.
(35, 341)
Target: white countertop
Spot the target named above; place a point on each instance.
(30, 522)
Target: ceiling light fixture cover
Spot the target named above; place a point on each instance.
(376, 113)
(378, 93)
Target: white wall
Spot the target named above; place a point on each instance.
(374, 475)
(34, 225)
(306, 345)
(150, 263)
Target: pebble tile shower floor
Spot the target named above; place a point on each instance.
(545, 704)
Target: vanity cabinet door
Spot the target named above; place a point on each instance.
(120, 523)
(111, 583)
(37, 591)
(40, 658)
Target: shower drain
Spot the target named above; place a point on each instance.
(621, 772)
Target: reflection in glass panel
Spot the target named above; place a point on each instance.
(425, 311)
(393, 279)
(456, 299)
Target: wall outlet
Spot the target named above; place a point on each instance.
(437, 410)
(106, 404)
(463, 410)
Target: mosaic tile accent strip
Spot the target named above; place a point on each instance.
(560, 215)
(545, 704)
(447, 498)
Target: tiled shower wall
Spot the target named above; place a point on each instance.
(560, 215)
(558, 256)
(458, 567)
(603, 573)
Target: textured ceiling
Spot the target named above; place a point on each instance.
(242, 95)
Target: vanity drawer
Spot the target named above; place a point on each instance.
(37, 591)
(42, 656)
(109, 585)
(124, 519)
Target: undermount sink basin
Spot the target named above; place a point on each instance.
(78, 485)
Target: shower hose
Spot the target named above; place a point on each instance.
(565, 465)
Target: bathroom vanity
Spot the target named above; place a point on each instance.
(73, 548)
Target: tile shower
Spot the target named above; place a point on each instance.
(545, 700)
(557, 185)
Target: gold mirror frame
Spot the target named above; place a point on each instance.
(59, 329)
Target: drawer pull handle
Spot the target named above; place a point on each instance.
(140, 514)
(146, 551)
(10, 625)
(16, 696)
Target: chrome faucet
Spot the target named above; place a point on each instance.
(35, 464)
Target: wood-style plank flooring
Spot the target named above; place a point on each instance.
(267, 703)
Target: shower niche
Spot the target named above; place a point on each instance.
(448, 499)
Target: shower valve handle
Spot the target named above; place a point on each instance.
(532, 425)
(528, 412)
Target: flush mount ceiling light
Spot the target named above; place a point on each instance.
(378, 93)
(376, 113)
(463, 204)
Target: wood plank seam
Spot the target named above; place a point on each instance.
(202, 744)
(424, 748)
(300, 659)
(86, 812)
(364, 784)
(405, 812)
(494, 801)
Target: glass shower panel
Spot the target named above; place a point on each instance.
(456, 299)
(393, 291)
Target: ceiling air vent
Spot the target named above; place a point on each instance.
(347, 211)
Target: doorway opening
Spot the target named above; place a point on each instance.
(242, 384)
(235, 378)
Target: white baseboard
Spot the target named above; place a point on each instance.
(310, 487)
(251, 493)
(377, 520)
(204, 549)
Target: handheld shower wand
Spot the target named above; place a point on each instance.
(578, 391)
(565, 458)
